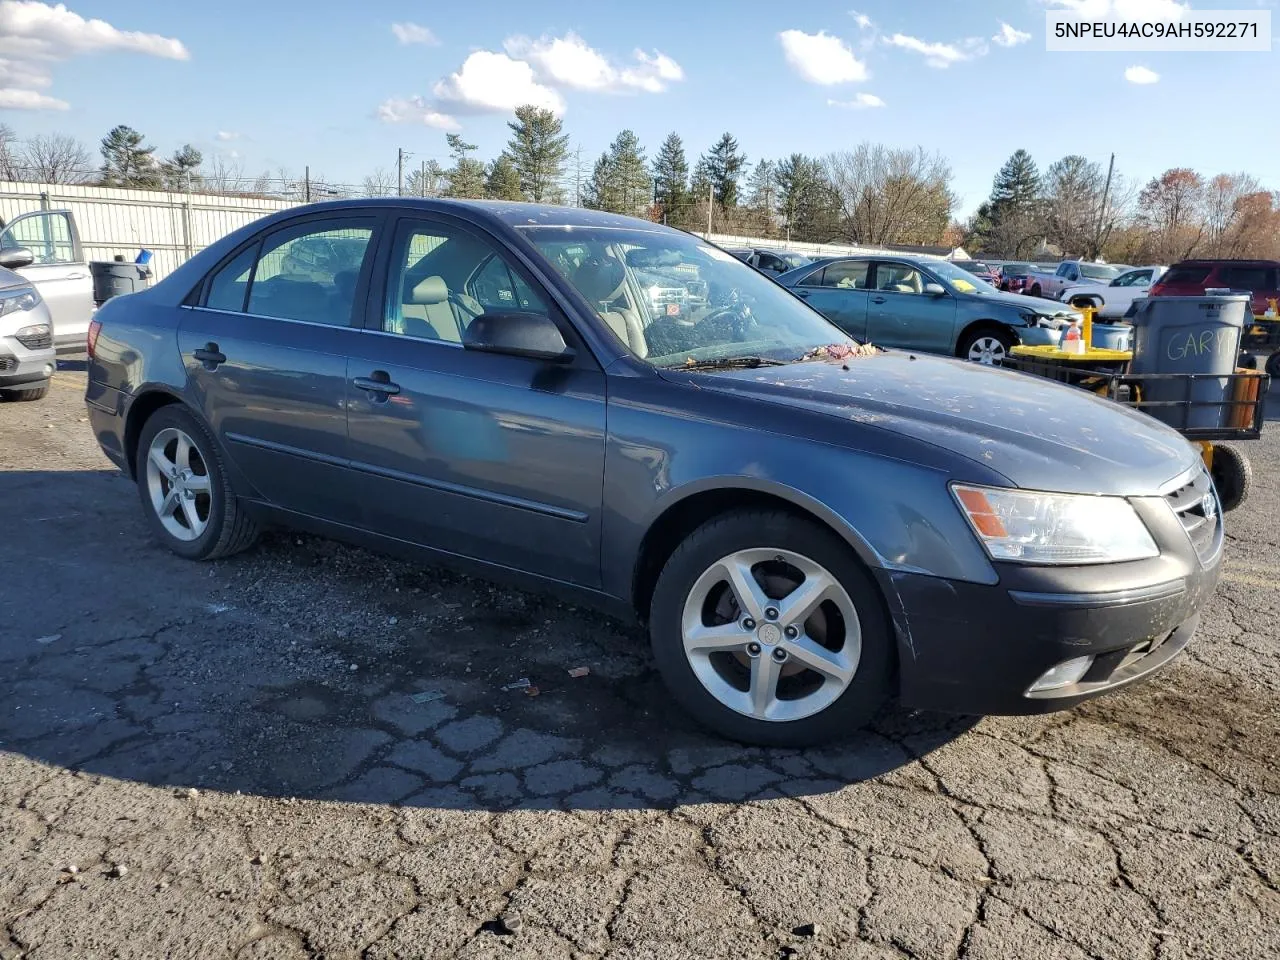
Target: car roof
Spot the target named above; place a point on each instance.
(1211, 262)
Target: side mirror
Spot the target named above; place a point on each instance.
(518, 334)
(935, 290)
(15, 257)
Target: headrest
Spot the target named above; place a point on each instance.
(599, 279)
(431, 290)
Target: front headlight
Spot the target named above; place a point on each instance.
(17, 300)
(1045, 320)
(1030, 527)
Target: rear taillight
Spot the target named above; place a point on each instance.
(91, 342)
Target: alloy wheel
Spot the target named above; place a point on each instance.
(771, 634)
(178, 484)
(988, 350)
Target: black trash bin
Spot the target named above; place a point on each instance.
(1188, 335)
(111, 278)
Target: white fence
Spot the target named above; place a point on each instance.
(814, 249)
(173, 226)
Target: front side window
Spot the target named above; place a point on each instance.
(1136, 278)
(674, 299)
(307, 272)
(899, 278)
(46, 235)
(443, 277)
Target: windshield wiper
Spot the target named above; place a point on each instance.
(725, 363)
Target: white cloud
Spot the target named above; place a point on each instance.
(489, 81)
(34, 36)
(862, 20)
(1143, 11)
(415, 110)
(1009, 36)
(570, 62)
(863, 101)
(408, 33)
(1141, 75)
(821, 58)
(939, 55)
(226, 135)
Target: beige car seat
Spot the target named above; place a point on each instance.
(430, 312)
(603, 283)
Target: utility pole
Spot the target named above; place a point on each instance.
(711, 203)
(400, 156)
(306, 184)
(1102, 210)
(422, 180)
(577, 177)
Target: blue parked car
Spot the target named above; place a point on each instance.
(918, 303)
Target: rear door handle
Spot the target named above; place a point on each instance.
(379, 384)
(210, 356)
(877, 299)
(802, 293)
(76, 276)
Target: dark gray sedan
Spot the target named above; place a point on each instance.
(619, 412)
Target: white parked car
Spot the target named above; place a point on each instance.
(1114, 299)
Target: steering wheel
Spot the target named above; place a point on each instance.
(735, 315)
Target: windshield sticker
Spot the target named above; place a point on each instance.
(964, 286)
(715, 254)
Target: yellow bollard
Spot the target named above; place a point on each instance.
(1086, 327)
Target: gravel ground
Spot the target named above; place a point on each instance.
(307, 751)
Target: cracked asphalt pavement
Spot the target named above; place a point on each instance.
(307, 751)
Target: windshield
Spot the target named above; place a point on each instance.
(1100, 271)
(973, 266)
(671, 298)
(960, 281)
(1016, 269)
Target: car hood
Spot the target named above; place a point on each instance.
(1024, 304)
(1039, 434)
(10, 279)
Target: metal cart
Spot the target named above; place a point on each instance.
(1237, 415)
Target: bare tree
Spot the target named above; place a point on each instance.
(223, 174)
(56, 158)
(380, 183)
(890, 195)
(8, 153)
(1172, 209)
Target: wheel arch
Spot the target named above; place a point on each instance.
(699, 503)
(146, 401)
(976, 326)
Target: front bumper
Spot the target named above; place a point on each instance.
(20, 366)
(978, 649)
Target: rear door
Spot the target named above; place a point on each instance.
(839, 292)
(902, 315)
(496, 458)
(59, 272)
(265, 344)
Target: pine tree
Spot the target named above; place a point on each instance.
(671, 178)
(425, 181)
(126, 162)
(620, 180)
(1017, 185)
(762, 193)
(804, 200)
(466, 176)
(724, 165)
(180, 172)
(503, 182)
(1011, 223)
(538, 149)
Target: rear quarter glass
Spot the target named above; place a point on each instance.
(1178, 276)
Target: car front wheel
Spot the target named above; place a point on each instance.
(185, 494)
(768, 630)
(989, 346)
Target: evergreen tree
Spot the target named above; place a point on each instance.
(801, 195)
(1011, 223)
(671, 178)
(425, 181)
(180, 172)
(762, 193)
(620, 180)
(538, 149)
(126, 162)
(503, 182)
(1017, 185)
(724, 164)
(466, 176)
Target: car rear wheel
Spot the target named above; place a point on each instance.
(1034, 291)
(184, 489)
(768, 630)
(988, 345)
(26, 394)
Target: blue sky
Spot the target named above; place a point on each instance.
(336, 85)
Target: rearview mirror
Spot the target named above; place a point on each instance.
(935, 290)
(16, 257)
(518, 334)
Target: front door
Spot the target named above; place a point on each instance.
(497, 458)
(902, 314)
(59, 270)
(838, 291)
(265, 349)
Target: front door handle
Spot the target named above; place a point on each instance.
(877, 299)
(210, 356)
(378, 384)
(802, 293)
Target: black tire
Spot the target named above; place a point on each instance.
(1232, 474)
(26, 394)
(1034, 291)
(1273, 365)
(994, 331)
(1082, 300)
(230, 529)
(751, 529)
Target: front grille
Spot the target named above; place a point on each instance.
(1197, 507)
(42, 341)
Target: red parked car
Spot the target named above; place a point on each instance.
(1013, 276)
(1189, 278)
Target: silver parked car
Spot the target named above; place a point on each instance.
(27, 357)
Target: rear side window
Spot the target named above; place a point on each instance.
(1186, 275)
(1248, 278)
(847, 275)
(309, 272)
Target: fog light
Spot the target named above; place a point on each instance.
(1063, 675)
